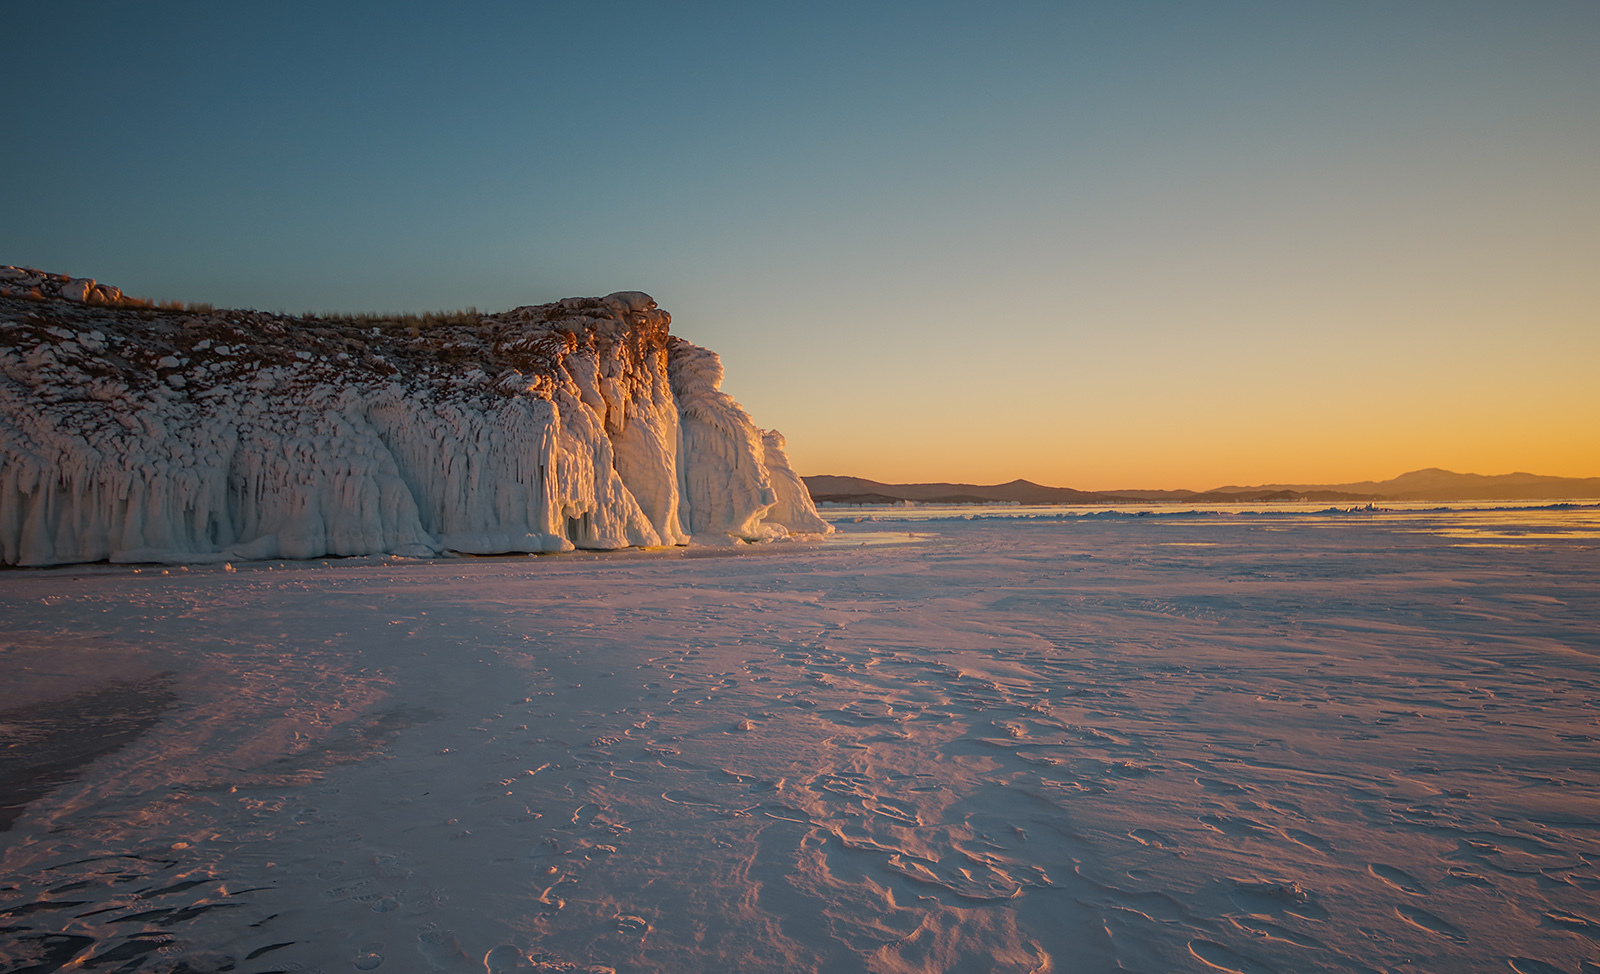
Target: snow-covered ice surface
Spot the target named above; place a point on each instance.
(1249, 743)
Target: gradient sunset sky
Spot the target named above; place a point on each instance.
(1099, 245)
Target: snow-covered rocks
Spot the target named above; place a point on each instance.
(142, 434)
(26, 282)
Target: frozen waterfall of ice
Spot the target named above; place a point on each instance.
(141, 435)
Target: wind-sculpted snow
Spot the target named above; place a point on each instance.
(146, 434)
(1259, 743)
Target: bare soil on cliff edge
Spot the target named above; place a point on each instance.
(1243, 743)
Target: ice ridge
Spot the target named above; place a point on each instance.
(133, 433)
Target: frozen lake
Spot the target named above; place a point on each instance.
(1282, 739)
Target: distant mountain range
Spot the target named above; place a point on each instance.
(1431, 484)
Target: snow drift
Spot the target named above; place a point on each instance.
(143, 434)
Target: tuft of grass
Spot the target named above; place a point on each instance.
(127, 302)
(414, 323)
(194, 307)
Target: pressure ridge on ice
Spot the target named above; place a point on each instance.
(147, 434)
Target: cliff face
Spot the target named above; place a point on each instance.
(143, 434)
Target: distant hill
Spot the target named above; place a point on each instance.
(858, 490)
(1431, 484)
(846, 489)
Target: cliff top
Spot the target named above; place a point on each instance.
(95, 328)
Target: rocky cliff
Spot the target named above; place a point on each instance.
(142, 434)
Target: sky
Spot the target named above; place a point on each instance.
(1098, 245)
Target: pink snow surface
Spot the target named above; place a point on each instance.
(1247, 743)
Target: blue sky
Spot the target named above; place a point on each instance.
(1110, 244)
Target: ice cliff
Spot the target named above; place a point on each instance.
(133, 433)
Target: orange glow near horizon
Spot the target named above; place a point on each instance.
(1234, 395)
(1163, 461)
(1337, 446)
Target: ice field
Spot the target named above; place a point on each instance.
(1252, 742)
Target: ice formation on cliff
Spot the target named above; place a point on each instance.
(144, 434)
